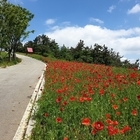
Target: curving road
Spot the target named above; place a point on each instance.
(17, 84)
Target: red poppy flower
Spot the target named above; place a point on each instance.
(134, 112)
(133, 75)
(86, 121)
(65, 138)
(108, 116)
(113, 95)
(138, 83)
(59, 90)
(72, 98)
(109, 122)
(46, 114)
(115, 123)
(101, 92)
(112, 130)
(93, 132)
(125, 129)
(89, 99)
(125, 99)
(62, 109)
(58, 99)
(138, 97)
(65, 103)
(115, 107)
(58, 119)
(98, 125)
(82, 99)
(118, 113)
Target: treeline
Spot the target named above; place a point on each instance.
(96, 54)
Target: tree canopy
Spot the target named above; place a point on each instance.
(14, 21)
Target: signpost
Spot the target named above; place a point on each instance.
(29, 50)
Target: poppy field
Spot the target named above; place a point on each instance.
(88, 101)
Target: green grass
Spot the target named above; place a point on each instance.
(4, 61)
(73, 92)
(67, 80)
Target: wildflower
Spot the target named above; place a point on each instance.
(98, 126)
(65, 103)
(101, 92)
(125, 129)
(125, 99)
(118, 113)
(138, 83)
(108, 116)
(59, 90)
(46, 114)
(86, 121)
(93, 132)
(82, 99)
(109, 122)
(113, 95)
(65, 138)
(112, 130)
(134, 112)
(89, 99)
(62, 79)
(62, 109)
(138, 97)
(115, 123)
(58, 99)
(77, 80)
(115, 107)
(58, 120)
(72, 98)
(133, 75)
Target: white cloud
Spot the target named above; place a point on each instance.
(123, 41)
(111, 8)
(50, 21)
(96, 20)
(135, 9)
(66, 23)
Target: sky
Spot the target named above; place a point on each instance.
(113, 23)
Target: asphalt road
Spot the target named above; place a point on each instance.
(17, 84)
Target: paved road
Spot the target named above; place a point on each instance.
(17, 84)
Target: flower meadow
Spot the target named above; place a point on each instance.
(88, 101)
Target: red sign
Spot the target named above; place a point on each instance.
(30, 50)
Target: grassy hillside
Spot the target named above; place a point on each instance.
(87, 101)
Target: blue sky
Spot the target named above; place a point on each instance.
(115, 23)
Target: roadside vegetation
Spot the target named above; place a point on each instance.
(88, 101)
(4, 60)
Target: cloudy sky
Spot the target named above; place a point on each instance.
(115, 23)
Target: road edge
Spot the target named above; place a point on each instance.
(26, 124)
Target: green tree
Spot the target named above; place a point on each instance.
(14, 21)
(77, 52)
(86, 55)
(3, 38)
(54, 48)
(65, 53)
(42, 45)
